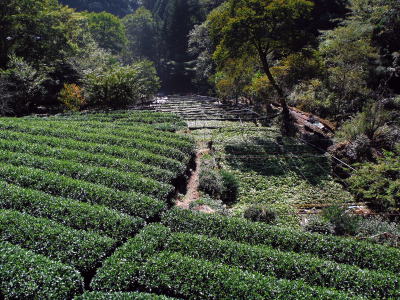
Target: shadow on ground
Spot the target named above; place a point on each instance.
(271, 157)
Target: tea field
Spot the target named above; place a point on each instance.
(283, 174)
(86, 213)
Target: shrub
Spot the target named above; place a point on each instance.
(288, 265)
(338, 249)
(26, 275)
(22, 86)
(230, 190)
(378, 183)
(119, 270)
(92, 147)
(367, 123)
(211, 183)
(120, 296)
(72, 97)
(69, 212)
(80, 249)
(379, 230)
(128, 131)
(343, 222)
(317, 224)
(54, 184)
(108, 177)
(258, 213)
(122, 86)
(102, 160)
(169, 273)
(128, 144)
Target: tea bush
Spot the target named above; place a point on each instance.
(342, 250)
(69, 212)
(26, 275)
(77, 248)
(57, 185)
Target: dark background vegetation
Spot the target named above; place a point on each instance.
(337, 59)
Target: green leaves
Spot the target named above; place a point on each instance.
(122, 86)
(69, 212)
(378, 183)
(288, 265)
(150, 260)
(80, 249)
(108, 31)
(120, 296)
(341, 250)
(26, 275)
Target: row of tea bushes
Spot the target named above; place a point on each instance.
(52, 183)
(169, 272)
(146, 117)
(78, 156)
(98, 175)
(180, 142)
(288, 265)
(342, 250)
(140, 261)
(77, 248)
(69, 212)
(101, 138)
(115, 151)
(26, 275)
(121, 296)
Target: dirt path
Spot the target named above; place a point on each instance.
(193, 193)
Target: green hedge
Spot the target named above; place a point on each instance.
(26, 275)
(79, 156)
(342, 250)
(183, 143)
(198, 279)
(130, 266)
(116, 151)
(69, 212)
(77, 248)
(120, 296)
(288, 265)
(65, 133)
(146, 117)
(118, 271)
(108, 177)
(54, 184)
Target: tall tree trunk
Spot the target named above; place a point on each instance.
(288, 126)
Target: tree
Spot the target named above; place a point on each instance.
(143, 34)
(122, 85)
(115, 7)
(36, 30)
(269, 28)
(108, 31)
(347, 54)
(201, 46)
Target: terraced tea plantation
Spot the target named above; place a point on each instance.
(74, 188)
(85, 213)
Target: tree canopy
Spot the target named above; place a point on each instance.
(269, 28)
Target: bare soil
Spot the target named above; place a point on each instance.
(193, 193)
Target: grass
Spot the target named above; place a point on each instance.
(279, 175)
(81, 196)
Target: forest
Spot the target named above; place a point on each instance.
(252, 146)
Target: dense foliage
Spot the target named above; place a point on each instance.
(71, 204)
(378, 183)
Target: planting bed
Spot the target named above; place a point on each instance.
(85, 213)
(279, 173)
(75, 187)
